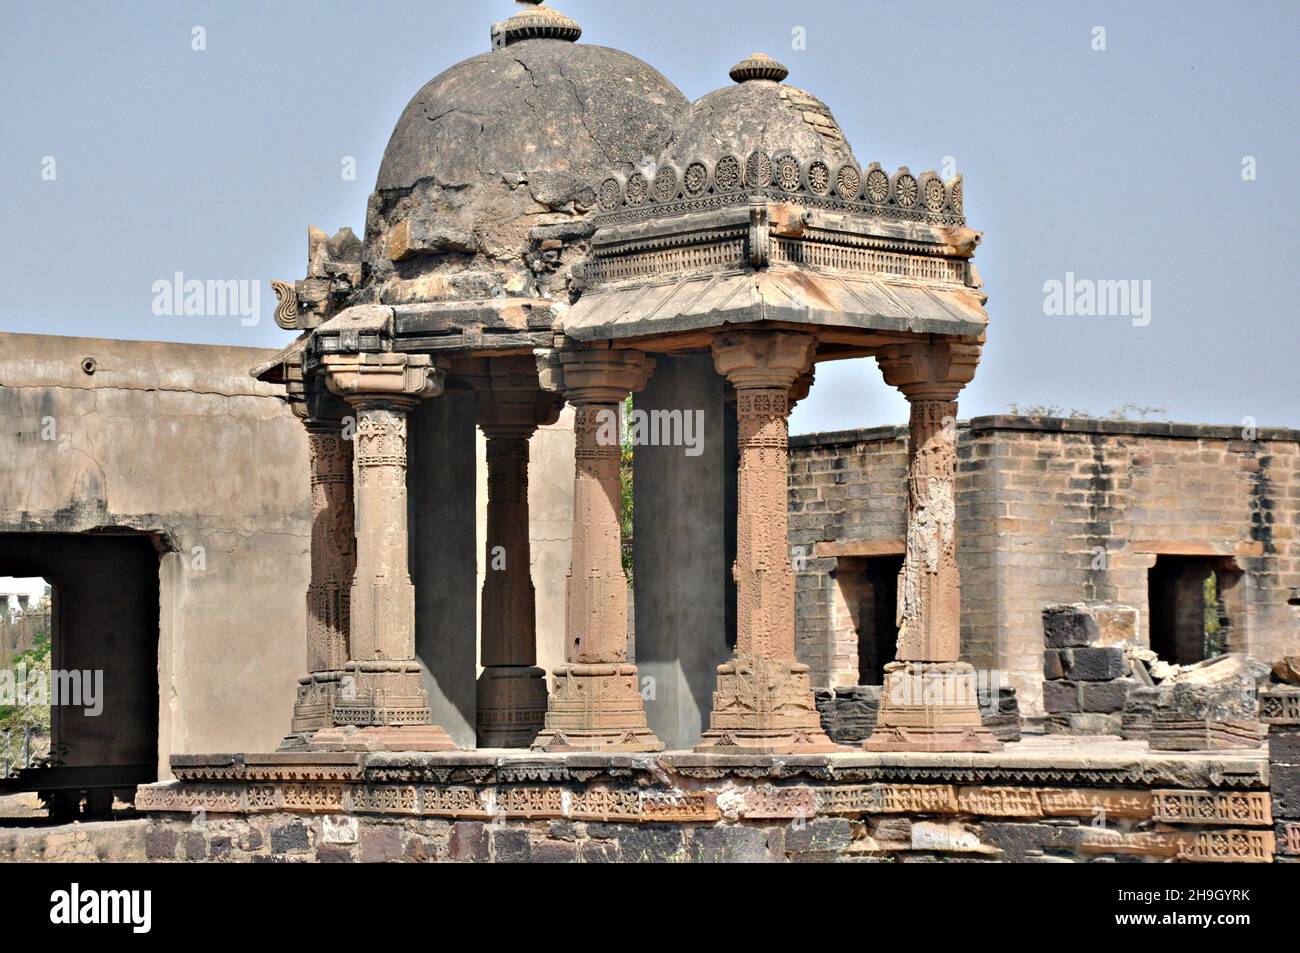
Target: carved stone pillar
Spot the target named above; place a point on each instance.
(596, 704)
(929, 700)
(764, 700)
(333, 556)
(512, 689)
(382, 704)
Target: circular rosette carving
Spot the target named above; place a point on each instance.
(848, 181)
(637, 189)
(877, 186)
(906, 190)
(665, 184)
(818, 177)
(696, 179)
(726, 174)
(758, 170)
(610, 195)
(788, 174)
(933, 193)
(955, 194)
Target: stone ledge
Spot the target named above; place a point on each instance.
(1081, 425)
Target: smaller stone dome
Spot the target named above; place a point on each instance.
(758, 112)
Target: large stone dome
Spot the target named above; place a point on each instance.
(500, 146)
(558, 109)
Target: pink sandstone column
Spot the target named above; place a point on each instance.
(764, 701)
(333, 556)
(929, 701)
(596, 704)
(382, 703)
(511, 708)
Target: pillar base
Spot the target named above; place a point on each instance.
(382, 738)
(763, 706)
(597, 708)
(381, 693)
(511, 706)
(930, 706)
(313, 709)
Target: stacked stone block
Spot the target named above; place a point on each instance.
(1085, 684)
(1279, 708)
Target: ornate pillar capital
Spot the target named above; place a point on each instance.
(929, 370)
(595, 375)
(510, 398)
(399, 379)
(763, 359)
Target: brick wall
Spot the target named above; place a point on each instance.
(1053, 511)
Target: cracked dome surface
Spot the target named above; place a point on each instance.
(758, 114)
(497, 146)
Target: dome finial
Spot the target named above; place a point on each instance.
(535, 22)
(758, 66)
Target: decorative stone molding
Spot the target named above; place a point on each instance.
(1213, 807)
(709, 183)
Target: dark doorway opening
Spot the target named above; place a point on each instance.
(103, 663)
(867, 611)
(1191, 601)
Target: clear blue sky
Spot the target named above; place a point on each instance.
(1122, 164)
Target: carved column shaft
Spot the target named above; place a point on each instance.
(596, 587)
(383, 599)
(333, 548)
(509, 600)
(929, 589)
(764, 579)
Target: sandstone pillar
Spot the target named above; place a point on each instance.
(764, 701)
(596, 704)
(929, 700)
(382, 700)
(333, 556)
(512, 689)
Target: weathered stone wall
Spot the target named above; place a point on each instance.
(174, 440)
(1054, 511)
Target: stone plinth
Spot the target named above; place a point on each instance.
(1033, 801)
